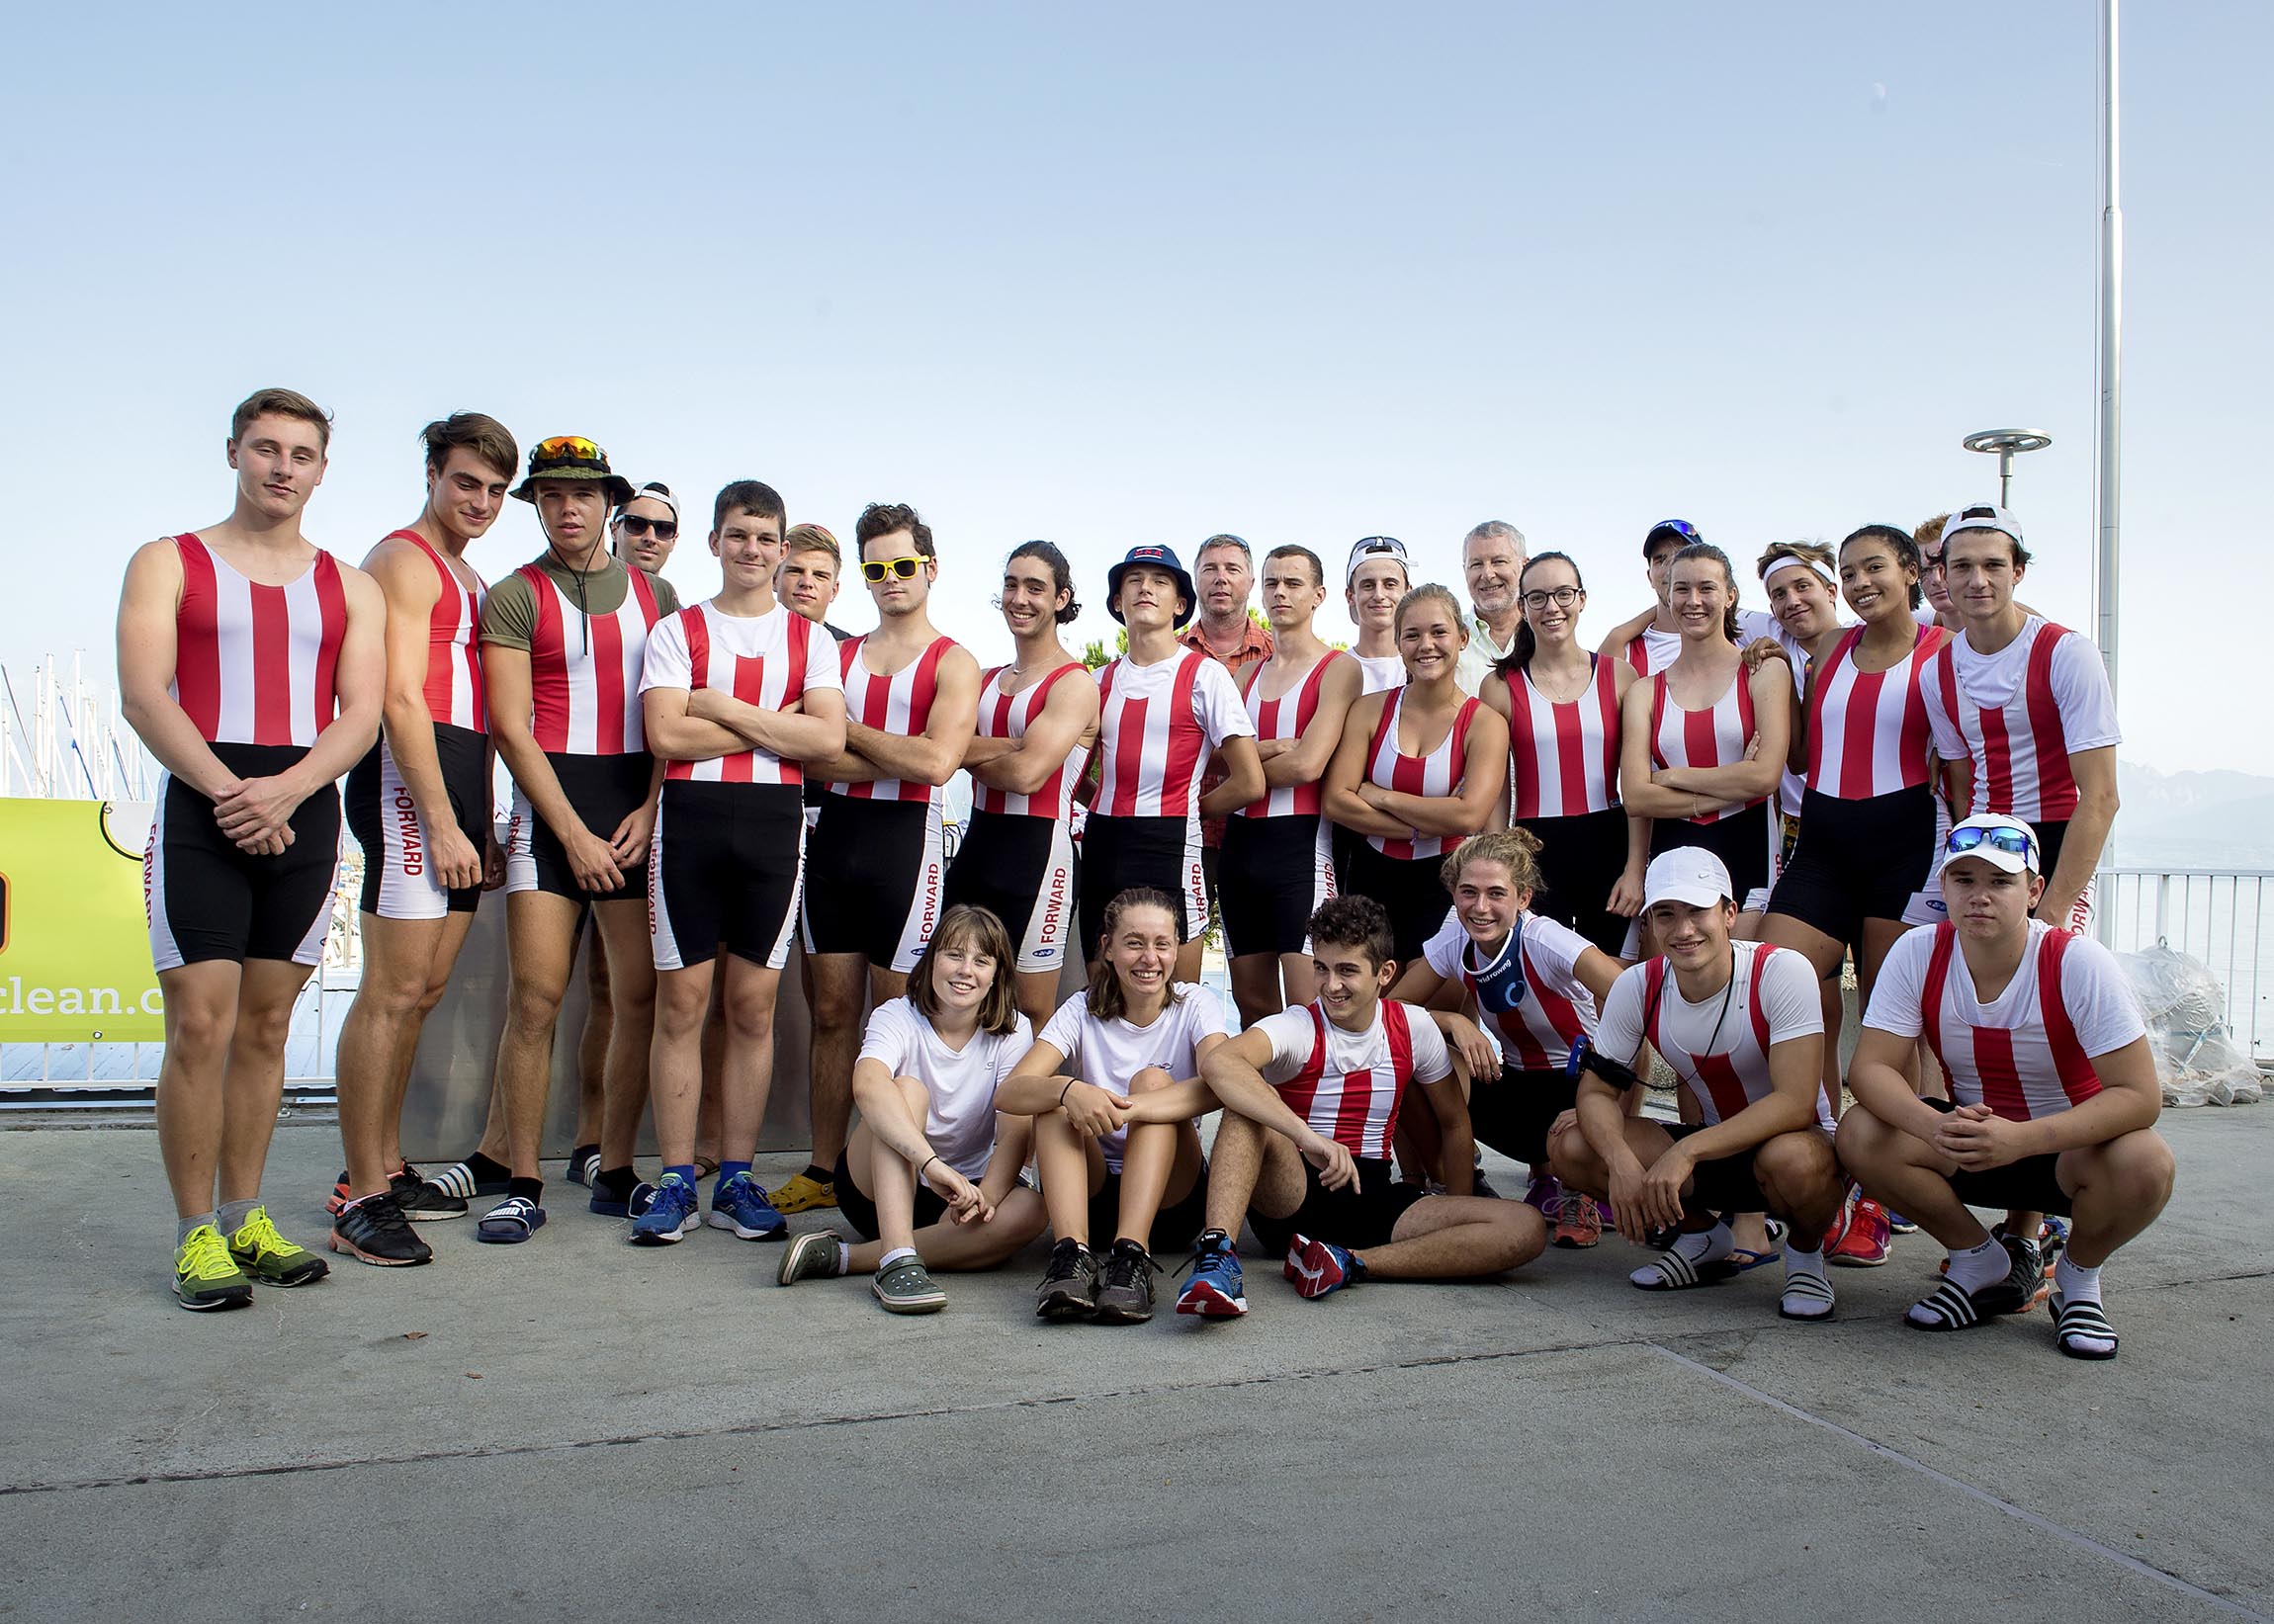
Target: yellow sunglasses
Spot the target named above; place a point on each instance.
(905, 568)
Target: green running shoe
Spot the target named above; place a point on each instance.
(205, 1276)
(269, 1257)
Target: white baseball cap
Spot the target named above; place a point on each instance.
(1378, 547)
(2002, 842)
(1687, 874)
(1983, 516)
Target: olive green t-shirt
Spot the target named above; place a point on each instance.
(509, 611)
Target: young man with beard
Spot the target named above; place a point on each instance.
(912, 699)
(419, 805)
(252, 665)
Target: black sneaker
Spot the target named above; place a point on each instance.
(375, 1230)
(1069, 1289)
(421, 1202)
(1125, 1291)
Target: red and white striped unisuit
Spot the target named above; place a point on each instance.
(2021, 748)
(453, 685)
(900, 704)
(1286, 717)
(760, 659)
(1868, 730)
(1715, 738)
(1437, 774)
(2021, 1073)
(1357, 1109)
(1150, 741)
(255, 665)
(584, 683)
(1565, 754)
(1008, 716)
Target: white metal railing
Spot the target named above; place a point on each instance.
(2217, 915)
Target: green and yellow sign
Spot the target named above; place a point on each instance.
(74, 947)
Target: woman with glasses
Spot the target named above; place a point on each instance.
(1561, 703)
(1703, 742)
(1419, 769)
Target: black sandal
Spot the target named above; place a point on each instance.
(2077, 1319)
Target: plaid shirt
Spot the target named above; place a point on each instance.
(1255, 644)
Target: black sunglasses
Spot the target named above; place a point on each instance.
(666, 530)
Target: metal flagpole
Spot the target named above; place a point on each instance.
(2111, 366)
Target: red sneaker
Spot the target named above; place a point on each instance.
(1864, 1243)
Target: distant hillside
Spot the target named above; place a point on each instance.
(2208, 821)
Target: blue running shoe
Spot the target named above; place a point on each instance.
(1898, 1223)
(1215, 1291)
(741, 1205)
(669, 1216)
(1320, 1266)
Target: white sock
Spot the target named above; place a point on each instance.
(1811, 1301)
(844, 1257)
(2076, 1282)
(1978, 1266)
(1708, 1246)
(1797, 1262)
(893, 1257)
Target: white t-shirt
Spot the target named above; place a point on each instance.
(2047, 1073)
(1354, 1098)
(1381, 672)
(959, 1119)
(1108, 1053)
(2030, 775)
(1719, 1047)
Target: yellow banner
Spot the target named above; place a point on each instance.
(74, 946)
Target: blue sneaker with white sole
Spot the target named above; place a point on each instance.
(668, 1217)
(1215, 1291)
(741, 1205)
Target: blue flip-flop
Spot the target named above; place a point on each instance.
(511, 1222)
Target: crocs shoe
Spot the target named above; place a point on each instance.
(811, 1256)
(741, 1205)
(904, 1287)
(270, 1258)
(799, 1194)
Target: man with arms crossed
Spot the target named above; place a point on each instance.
(250, 664)
(419, 804)
(1741, 1025)
(737, 692)
(1311, 1098)
(912, 701)
(2053, 1094)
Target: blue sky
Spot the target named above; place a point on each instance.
(1118, 276)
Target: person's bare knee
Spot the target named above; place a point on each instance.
(1150, 1079)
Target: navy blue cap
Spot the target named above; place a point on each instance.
(1160, 557)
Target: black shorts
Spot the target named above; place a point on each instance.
(1277, 873)
(1174, 1227)
(723, 872)
(876, 869)
(1857, 860)
(1741, 842)
(1119, 853)
(1356, 1217)
(1725, 1184)
(1580, 859)
(1409, 888)
(1021, 868)
(399, 878)
(602, 790)
(2025, 1186)
(1513, 1112)
(858, 1208)
(203, 899)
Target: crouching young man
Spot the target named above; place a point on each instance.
(2053, 1094)
(1311, 1099)
(1742, 1026)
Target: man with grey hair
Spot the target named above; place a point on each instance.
(1492, 557)
(1224, 631)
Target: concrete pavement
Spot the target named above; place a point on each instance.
(573, 1429)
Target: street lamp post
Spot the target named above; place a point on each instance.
(2007, 444)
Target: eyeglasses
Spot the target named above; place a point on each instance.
(666, 530)
(2015, 842)
(1563, 597)
(568, 448)
(879, 568)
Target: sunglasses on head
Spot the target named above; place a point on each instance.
(1681, 527)
(573, 447)
(2015, 842)
(905, 568)
(666, 530)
